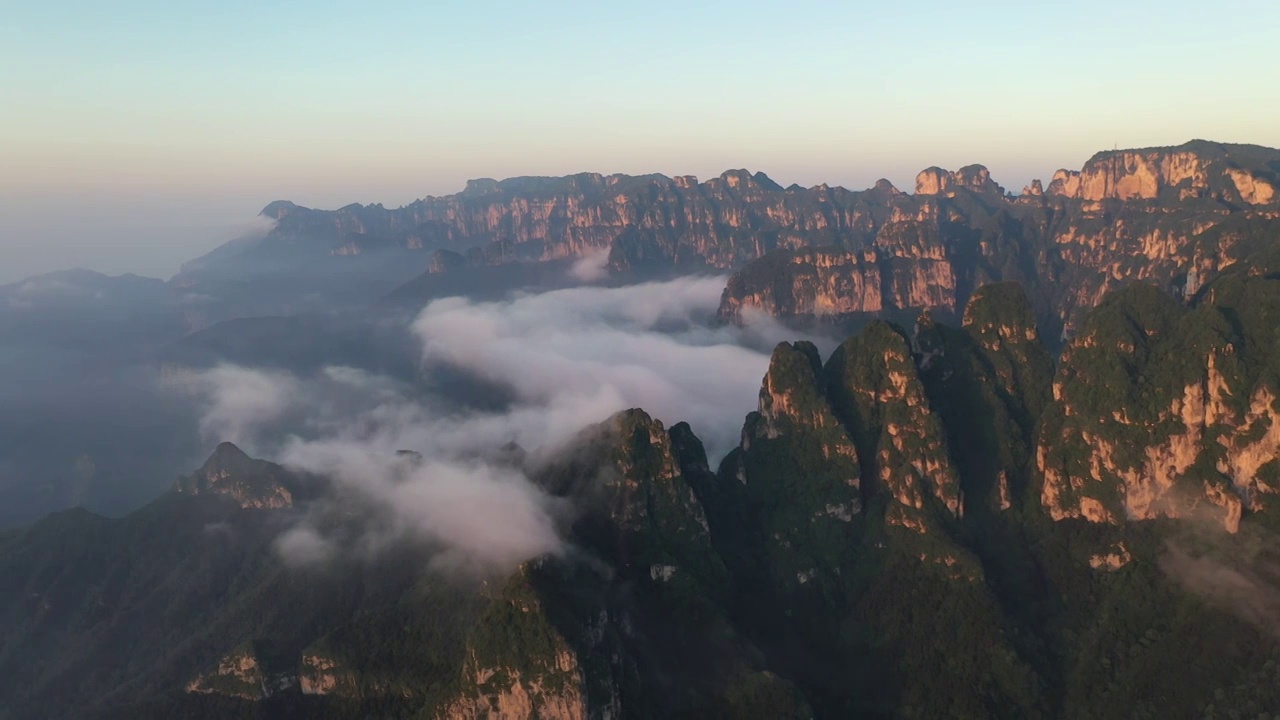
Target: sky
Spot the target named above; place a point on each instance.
(138, 134)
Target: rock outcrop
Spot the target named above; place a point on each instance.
(814, 282)
(320, 673)
(247, 673)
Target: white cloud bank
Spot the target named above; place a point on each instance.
(568, 358)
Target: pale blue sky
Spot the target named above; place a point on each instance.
(136, 134)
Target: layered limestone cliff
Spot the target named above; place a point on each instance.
(1175, 217)
(814, 282)
(643, 220)
(1134, 175)
(1165, 215)
(907, 264)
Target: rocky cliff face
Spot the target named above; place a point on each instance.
(1195, 170)
(813, 282)
(1171, 216)
(1166, 411)
(642, 220)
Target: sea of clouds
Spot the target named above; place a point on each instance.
(563, 361)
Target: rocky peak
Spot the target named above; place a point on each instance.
(884, 186)
(644, 450)
(687, 448)
(877, 393)
(639, 508)
(1035, 189)
(792, 400)
(443, 261)
(932, 181)
(1065, 183)
(977, 178)
(988, 382)
(1002, 324)
(231, 473)
(480, 186)
(227, 459)
(792, 389)
(798, 470)
(279, 209)
(1003, 309)
(720, 498)
(745, 182)
(936, 181)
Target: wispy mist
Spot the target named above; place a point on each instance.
(591, 267)
(1239, 574)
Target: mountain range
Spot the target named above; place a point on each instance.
(1171, 216)
(1037, 478)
